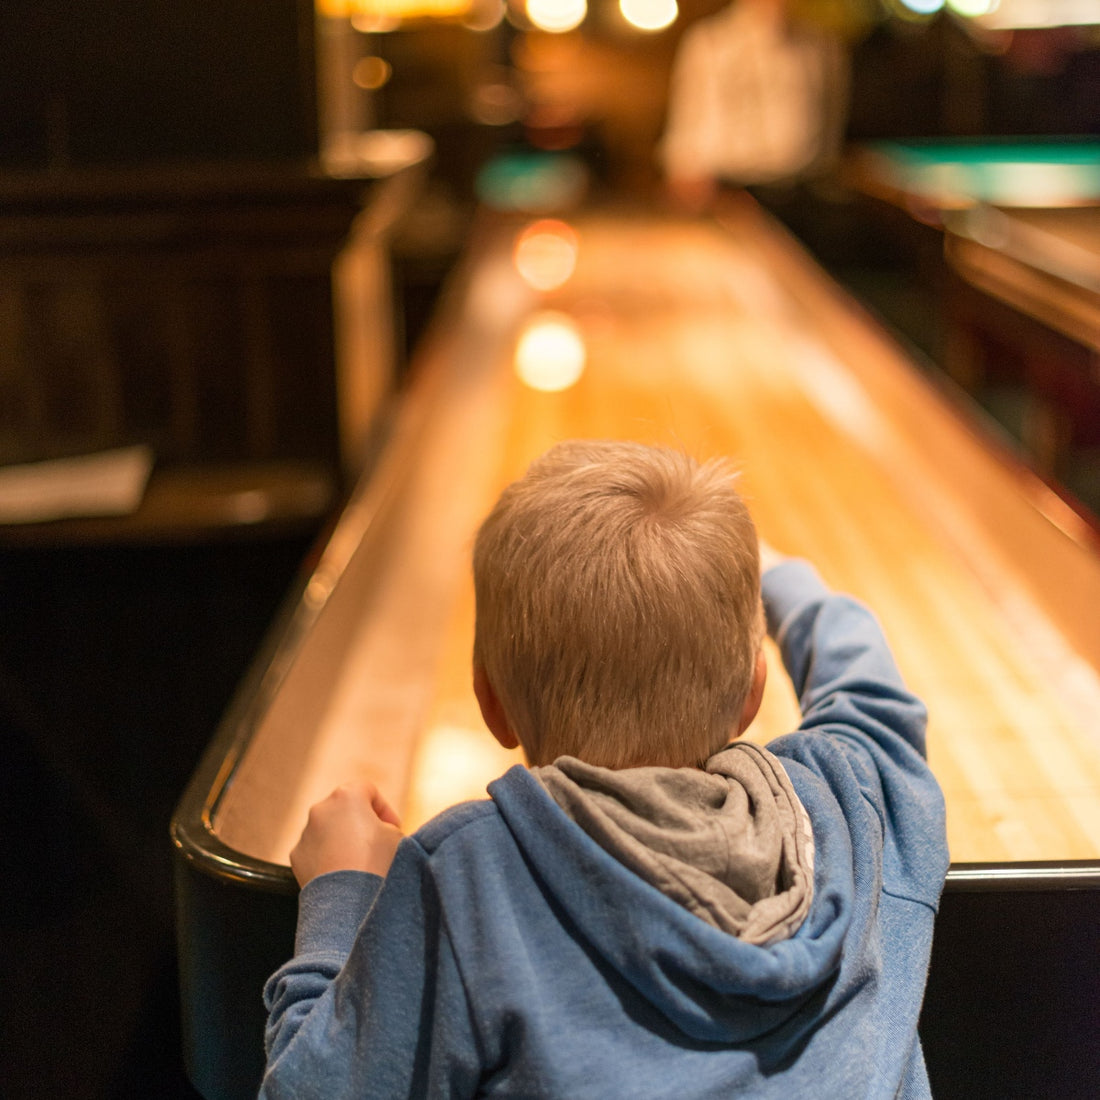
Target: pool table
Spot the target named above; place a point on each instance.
(1016, 283)
(939, 174)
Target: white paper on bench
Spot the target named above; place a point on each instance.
(102, 484)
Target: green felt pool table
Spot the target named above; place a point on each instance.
(1012, 172)
(1011, 262)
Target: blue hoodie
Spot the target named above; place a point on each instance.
(509, 953)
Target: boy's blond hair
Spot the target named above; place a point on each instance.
(618, 605)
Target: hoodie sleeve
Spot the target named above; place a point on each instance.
(330, 909)
(372, 1004)
(854, 703)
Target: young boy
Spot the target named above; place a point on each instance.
(653, 908)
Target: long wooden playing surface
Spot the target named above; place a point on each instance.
(717, 338)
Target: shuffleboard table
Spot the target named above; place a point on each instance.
(719, 337)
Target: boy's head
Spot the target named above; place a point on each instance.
(618, 608)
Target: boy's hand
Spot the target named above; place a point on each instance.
(354, 829)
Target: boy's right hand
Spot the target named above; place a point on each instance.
(354, 829)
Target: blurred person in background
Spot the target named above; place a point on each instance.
(757, 101)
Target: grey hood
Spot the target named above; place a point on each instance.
(730, 842)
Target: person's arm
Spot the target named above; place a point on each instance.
(371, 1004)
(331, 908)
(837, 657)
(340, 862)
(853, 699)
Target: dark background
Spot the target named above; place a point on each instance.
(115, 666)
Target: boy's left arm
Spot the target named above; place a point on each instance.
(372, 1002)
(853, 699)
(331, 908)
(340, 862)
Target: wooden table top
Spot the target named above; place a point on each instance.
(718, 338)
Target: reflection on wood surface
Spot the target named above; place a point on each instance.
(716, 339)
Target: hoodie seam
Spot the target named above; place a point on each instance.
(449, 943)
(898, 895)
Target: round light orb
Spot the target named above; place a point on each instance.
(545, 254)
(649, 15)
(550, 353)
(973, 9)
(557, 16)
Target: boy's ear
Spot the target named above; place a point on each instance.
(756, 693)
(491, 710)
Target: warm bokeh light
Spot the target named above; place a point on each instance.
(550, 353)
(386, 14)
(545, 254)
(972, 9)
(922, 7)
(557, 16)
(374, 23)
(485, 15)
(452, 764)
(649, 15)
(496, 103)
(372, 73)
(1038, 14)
(380, 151)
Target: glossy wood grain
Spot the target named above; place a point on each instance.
(717, 338)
